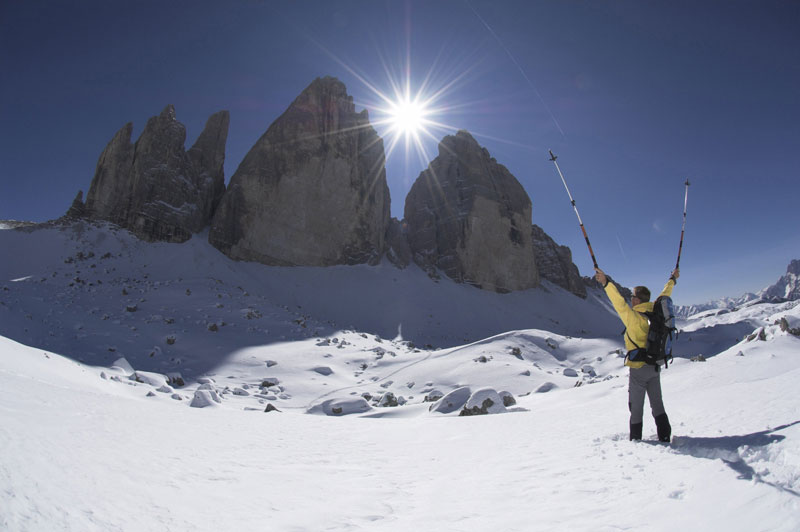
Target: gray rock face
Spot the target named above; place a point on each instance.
(470, 218)
(155, 188)
(788, 286)
(554, 263)
(312, 191)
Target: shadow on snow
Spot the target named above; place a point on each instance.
(727, 449)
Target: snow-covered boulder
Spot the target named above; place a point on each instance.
(122, 365)
(204, 398)
(388, 400)
(341, 407)
(453, 401)
(483, 401)
(156, 380)
(432, 396)
(546, 387)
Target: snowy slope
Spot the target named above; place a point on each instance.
(98, 293)
(81, 452)
(154, 418)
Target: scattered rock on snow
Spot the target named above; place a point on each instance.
(569, 372)
(269, 382)
(323, 370)
(508, 399)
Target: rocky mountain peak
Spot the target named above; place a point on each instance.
(787, 288)
(312, 191)
(470, 218)
(154, 188)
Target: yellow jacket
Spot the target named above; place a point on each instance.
(636, 325)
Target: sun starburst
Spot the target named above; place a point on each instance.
(407, 116)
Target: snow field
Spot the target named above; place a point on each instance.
(82, 451)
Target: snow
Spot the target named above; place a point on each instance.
(98, 429)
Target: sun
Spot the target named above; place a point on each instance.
(407, 116)
(409, 119)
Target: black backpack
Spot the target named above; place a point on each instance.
(660, 336)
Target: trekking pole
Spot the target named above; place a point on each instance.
(553, 158)
(683, 228)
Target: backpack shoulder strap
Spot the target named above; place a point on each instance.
(631, 339)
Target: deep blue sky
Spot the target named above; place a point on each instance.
(634, 97)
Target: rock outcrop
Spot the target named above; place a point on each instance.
(154, 188)
(312, 191)
(470, 218)
(554, 263)
(788, 286)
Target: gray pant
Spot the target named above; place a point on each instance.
(646, 379)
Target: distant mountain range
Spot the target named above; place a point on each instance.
(787, 288)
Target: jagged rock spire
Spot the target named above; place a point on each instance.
(312, 191)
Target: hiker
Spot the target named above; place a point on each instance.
(643, 378)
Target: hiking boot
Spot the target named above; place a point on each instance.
(663, 428)
(636, 431)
